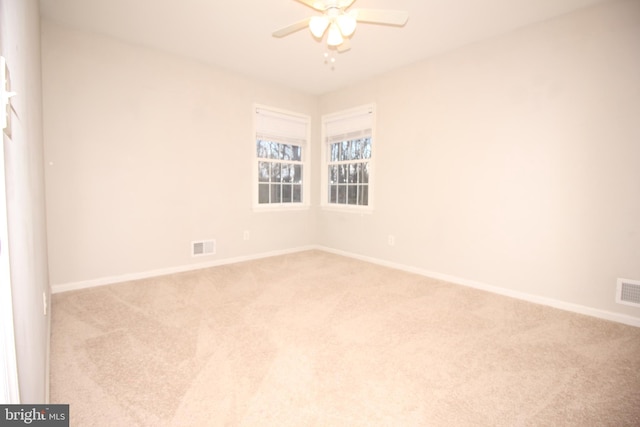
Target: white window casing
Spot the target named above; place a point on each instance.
(281, 160)
(352, 129)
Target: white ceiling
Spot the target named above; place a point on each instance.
(236, 34)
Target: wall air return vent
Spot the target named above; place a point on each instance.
(204, 247)
(628, 292)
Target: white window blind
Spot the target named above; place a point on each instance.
(277, 127)
(351, 125)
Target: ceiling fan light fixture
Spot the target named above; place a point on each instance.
(339, 24)
(347, 24)
(318, 25)
(335, 37)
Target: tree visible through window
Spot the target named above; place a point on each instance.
(279, 172)
(349, 172)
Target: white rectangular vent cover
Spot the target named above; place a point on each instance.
(628, 292)
(204, 247)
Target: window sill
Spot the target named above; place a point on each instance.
(280, 208)
(348, 209)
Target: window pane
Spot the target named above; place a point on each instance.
(275, 172)
(333, 194)
(287, 152)
(297, 174)
(356, 149)
(297, 153)
(286, 193)
(342, 194)
(353, 173)
(333, 174)
(352, 195)
(297, 193)
(366, 150)
(363, 195)
(342, 174)
(365, 173)
(263, 149)
(276, 191)
(275, 151)
(263, 193)
(335, 152)
(345, 152)
(263, 172)
(287, 171)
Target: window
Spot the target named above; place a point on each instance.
(281, 145)
(347, 159)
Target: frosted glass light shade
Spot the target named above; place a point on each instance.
(347, 24)
(334, 38)
(318, 25)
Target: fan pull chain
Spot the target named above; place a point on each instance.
(330, 60)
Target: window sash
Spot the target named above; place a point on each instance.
(350, 150)
(268, 149)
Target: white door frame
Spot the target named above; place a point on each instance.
(9, 388)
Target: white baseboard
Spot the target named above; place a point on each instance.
(65, 287)
(47, 370)
(562, 305)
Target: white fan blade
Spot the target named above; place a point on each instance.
(345, 46)
(292, 28)
(315, 4)
(381, 16)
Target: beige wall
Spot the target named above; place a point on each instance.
(20, 45)
(512, 162)
(147, 152)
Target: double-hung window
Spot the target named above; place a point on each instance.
(347, 159)
(281, 153)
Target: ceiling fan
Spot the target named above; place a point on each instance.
(340, 24)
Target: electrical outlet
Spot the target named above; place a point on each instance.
(246, 235)
(391, 240)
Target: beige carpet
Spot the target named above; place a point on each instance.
(315, 339)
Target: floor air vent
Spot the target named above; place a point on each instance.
(205, 247)
(628, 292)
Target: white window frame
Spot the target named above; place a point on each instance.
(299, 133)
(352, 120)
